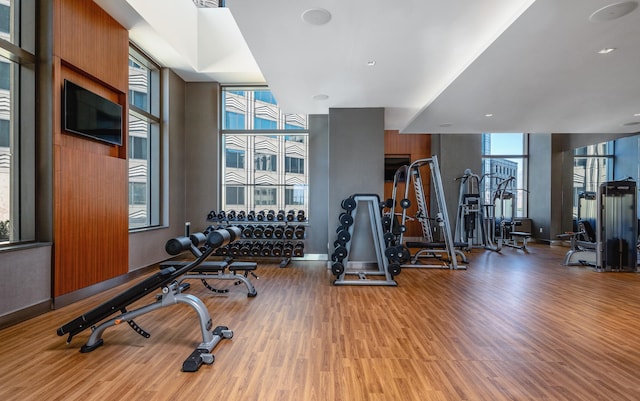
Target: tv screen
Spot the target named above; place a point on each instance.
(392, 164)
(91, 115)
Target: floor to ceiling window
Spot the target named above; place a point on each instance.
(264, 158)
(144, 141)
(504, 169)
(17, 131)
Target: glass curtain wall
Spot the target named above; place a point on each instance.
(264, 157)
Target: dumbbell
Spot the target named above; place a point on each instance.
(245, 249)
(281, 215)
(268, 231)
(258, 232)
(278, 232)
(340, 252)
(291, 215)
(256, 248)
(241, 216)
(221, 215)
(271, 215)
(212, 215)
(298, 232)
(251, 216)
(277, 249)
(298, 249)
(288, 232)
(337, 268)
(343, 237)
(348, 204)
(231, 215)
(247, 231)
(301, 216)
(345, 219)
(287, 250)
(234, 249)
(261, 216)
(266, 250)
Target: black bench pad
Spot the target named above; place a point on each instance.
(435, 245)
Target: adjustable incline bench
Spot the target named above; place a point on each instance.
(215, 270)
(165, 280)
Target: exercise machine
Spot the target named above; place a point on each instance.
(171, 294)
(446, 252)
(617, 233)
(506, 224)
(473, 214)
(582, 249)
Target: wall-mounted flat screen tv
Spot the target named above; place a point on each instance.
(91, 115)
(392, 164)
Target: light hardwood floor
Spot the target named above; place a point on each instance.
(514, 326)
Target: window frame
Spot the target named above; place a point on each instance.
(151, 116)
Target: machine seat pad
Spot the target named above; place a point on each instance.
(242, 266)
(204, 267)
(434, 245)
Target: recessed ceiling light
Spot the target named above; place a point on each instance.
(445, 125)
(613, 11)
(316, 16)
(606, 50)
(371, 63)
(488, 115)
(636, 115)
(320, 96)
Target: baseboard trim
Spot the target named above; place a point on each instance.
(25, 314)
(68, 299)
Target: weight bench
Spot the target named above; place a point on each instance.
(435, 248)
(214, 270)
(170, 294)
(519, 235)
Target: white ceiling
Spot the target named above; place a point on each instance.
(440, 66)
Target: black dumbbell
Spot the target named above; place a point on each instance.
(266, 250)
(343, 237)
(345, 219)
(245, 249)
(212, 215)
(247, 231)
(291, 215)
(337, 268)
(268, 231)
(301, 216)
(251, 216)
(256, 247)
(278, 232)
(298, 232)
(258, 232)
(298, 249)
(277, 249)
(271, 215)
(261, 215)
(241, 216)
(281, 215)
(287, 250)
(288, 232)
(348, 204)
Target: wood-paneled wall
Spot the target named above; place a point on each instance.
(90, 178)
(413, 146)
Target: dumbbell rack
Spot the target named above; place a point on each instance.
(271, 237)
(340, 257)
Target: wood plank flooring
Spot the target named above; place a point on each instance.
(514, 326)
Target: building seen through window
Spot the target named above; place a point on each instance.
(144, 142)
(504, 163)
(265, 152)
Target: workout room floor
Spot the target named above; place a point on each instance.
(514, 326)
